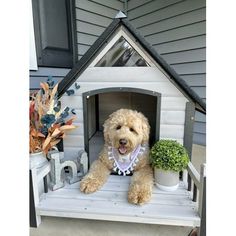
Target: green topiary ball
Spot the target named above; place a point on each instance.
(169, 155)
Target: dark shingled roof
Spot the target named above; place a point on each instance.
(83, 63)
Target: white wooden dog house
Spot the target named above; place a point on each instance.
(121, 70)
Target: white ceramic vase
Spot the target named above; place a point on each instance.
(37, 160)
(166, 180)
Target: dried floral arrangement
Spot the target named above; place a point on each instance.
(48, 121)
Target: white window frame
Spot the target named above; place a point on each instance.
(120, 33)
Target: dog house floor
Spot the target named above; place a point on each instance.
(110, 203)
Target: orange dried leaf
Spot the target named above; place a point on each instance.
(46, 142)
(54, 143)
(55, 133)
(41, 135)
(67, 127)
(42, 85)
(70, 121)
(54, 92)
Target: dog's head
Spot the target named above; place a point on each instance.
(125, 129)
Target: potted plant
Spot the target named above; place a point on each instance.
(168, 157)
(48, 122)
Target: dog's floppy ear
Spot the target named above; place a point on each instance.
(145, 129)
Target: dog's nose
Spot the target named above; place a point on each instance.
(123, 141)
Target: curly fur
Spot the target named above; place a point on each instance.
(132, 126)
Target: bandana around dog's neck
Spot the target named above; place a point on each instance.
(124, 164)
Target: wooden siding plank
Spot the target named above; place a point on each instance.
(150, 7)
(118, 5)
(192, 30)
(82, 49)
(182, 45)
(92, 18)
(170, 11)
(186, 56)
(135, 4)
(190, 68)
(173, 104)
(104, 74)
(86, 27)
(72, 101)
(201, 91)
(199, 139)
(171, 131)
(83, 38)
(165, 88)
(200, 127)
(174, 22)
(195, 79)
(200, 117)
(46, 71)
(96, 8)
(35, 81)
(41, 75)
(172, 117)
(73, 141)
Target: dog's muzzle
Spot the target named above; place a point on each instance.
(122, 146)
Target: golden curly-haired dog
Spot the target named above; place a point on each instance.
(124, 130)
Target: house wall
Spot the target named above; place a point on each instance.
(42, 74)
(92, 18)
(177, 30)
(172, 100)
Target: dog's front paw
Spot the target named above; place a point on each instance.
(89, 185)
(139, 193)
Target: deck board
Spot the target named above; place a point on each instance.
(110, 203)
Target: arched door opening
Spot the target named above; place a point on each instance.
(99, 104)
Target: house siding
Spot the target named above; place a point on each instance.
(41, 75)
(92, 18)
(177, 30)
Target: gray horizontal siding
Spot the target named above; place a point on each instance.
(92, 18)
(185, 44)
(177, 30)
(41, 75)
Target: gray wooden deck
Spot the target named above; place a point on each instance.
(110, 203)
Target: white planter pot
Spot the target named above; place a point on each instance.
(37, 160)
(166, 180)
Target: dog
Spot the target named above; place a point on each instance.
(126, 150)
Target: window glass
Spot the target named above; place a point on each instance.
(122, 54)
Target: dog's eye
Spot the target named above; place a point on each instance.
(118, 127)
(131, 130)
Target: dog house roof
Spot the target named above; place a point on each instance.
(83, 63)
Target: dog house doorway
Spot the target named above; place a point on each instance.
(99, 104)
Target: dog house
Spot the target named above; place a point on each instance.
(121, 70)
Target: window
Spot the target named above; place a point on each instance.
(122, 54)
